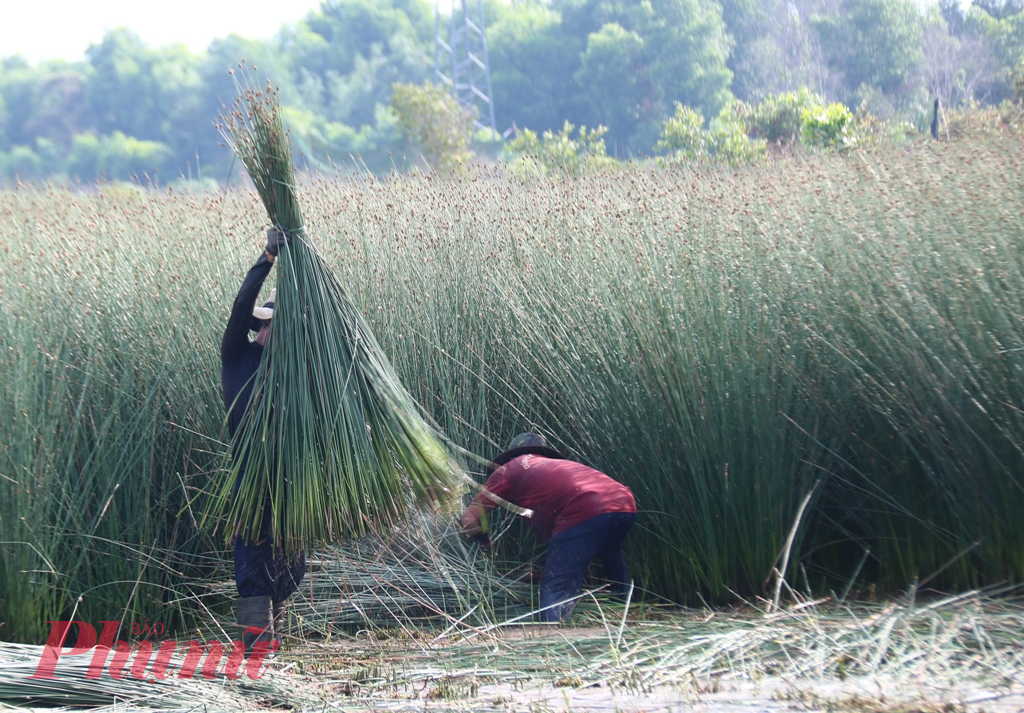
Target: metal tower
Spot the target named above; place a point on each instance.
(464, 55)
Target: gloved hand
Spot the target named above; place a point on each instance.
(275, 239)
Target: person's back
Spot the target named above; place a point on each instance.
(580, 513)
(561, 493)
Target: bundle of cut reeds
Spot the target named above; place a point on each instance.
(331, 438)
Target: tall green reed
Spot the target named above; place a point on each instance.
(111, 417)
(696, 336)
(720, 341)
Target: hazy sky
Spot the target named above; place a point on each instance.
(50, 29)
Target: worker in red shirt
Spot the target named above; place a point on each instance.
(580, 513)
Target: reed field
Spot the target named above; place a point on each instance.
(848, 328)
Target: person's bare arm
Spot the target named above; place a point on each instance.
(471, 519)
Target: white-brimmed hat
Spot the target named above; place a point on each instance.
(266, 312)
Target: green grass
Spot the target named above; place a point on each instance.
(720, 341)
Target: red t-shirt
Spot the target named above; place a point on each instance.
(561, 493)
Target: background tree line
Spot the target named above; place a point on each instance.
(629, 65)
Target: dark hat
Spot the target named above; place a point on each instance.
(521, 445)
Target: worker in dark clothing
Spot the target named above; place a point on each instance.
(265, 577)
(580, 513)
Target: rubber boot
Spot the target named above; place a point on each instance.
(254, 612)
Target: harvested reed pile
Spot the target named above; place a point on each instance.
(968, 642)
(71, 688)
(422, 574)
(968, 638)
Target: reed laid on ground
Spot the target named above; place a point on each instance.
(966, 643)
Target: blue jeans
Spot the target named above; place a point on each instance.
(569, 554)
(262, 569)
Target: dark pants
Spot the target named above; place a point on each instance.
(263, 570)
(569, 554)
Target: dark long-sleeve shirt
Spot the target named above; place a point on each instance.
(239, 357)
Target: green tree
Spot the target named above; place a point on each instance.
(532, 64)
(3, 122)
(347, 54)
(115, 156)
(953, 15)
(1000, 9)
(433, 120)
(615, 74)
(688, 48)
(1004, 33)
(755, 54)
(331, 38)
(152, 94)
(683, 135)
(772, 46)
(322, 141)
(675, 49)
(20, 163)
(872, 49)
(179, 121)
(120, 91)
(58, 106)
(44, 100)
(725, 140)
(826, 126)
